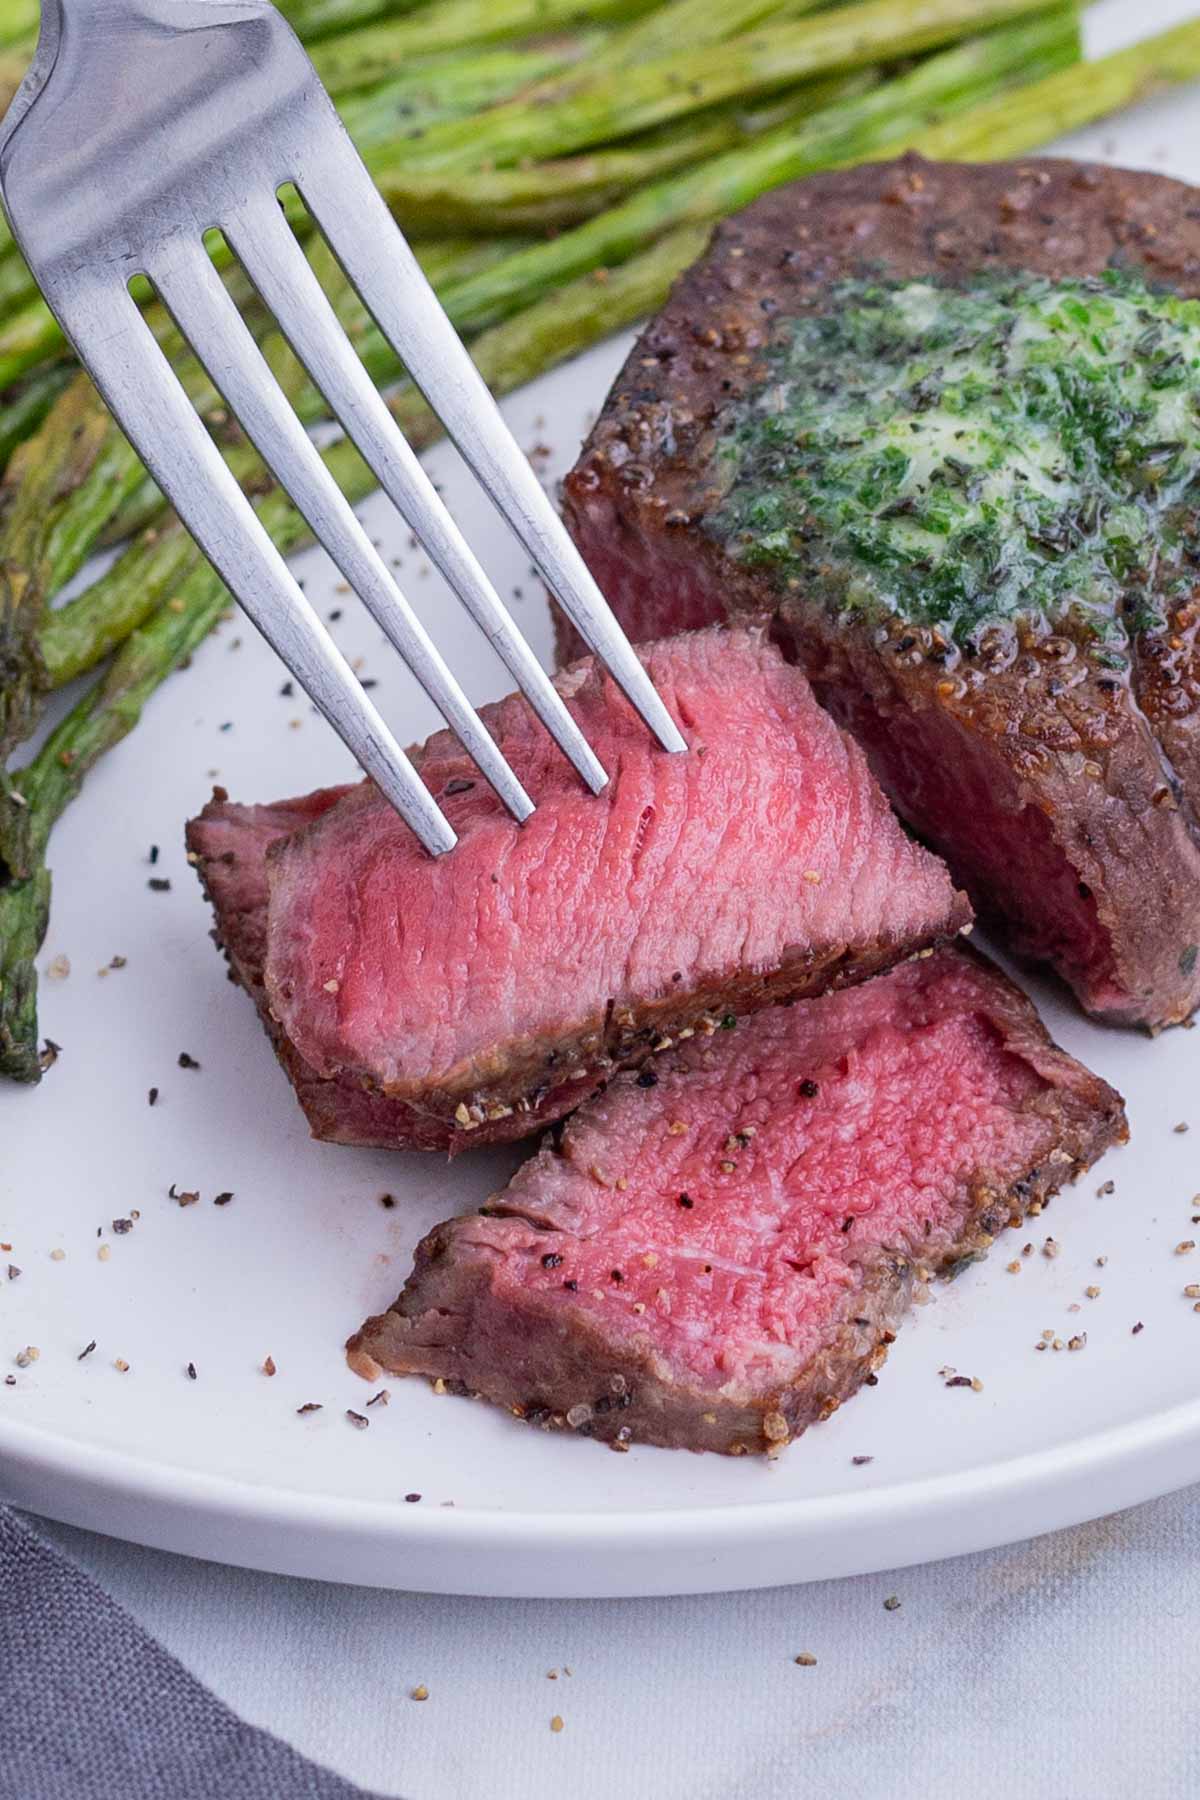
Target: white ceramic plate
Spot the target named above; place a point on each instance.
(223, 1466)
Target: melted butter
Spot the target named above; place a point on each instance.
(957, 456)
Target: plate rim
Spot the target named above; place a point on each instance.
(523, 1553)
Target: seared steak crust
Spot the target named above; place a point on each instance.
(519, 1302)
(1062, 794)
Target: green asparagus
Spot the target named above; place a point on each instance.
(17, 286)
(13, 64)
(1010, 124)
(617, 103)
(53, 779)
(48, 466)
(26, 405)
(19, 23)
(663, 30)
(551, 195)
(887, 118)
(313, 19)
(449, 86)
(366, 56)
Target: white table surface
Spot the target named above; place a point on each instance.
(1062, 1669)
(1066, 1667)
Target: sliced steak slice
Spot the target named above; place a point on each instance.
(717, 1253)
(498, 985)
(1054, 763)
(228, 844)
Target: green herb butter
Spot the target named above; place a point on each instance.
(1010, 448)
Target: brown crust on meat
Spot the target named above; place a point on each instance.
(1107, 764)
(448, 1325)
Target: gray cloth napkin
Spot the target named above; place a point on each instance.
(92, 1708)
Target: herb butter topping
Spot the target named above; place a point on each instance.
(1011, 448)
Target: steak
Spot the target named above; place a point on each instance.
(228, 844)
(1027, 683)
(430, 1003)
(717, 1252)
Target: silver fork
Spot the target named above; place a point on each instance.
(141, 125)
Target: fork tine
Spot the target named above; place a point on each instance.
(195, 296)
(267, 248)
(120, 353)
(340, 195)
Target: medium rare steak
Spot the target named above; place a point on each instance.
(228, 844)
(941, 423)
(716, 1253)
(431, 1003)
